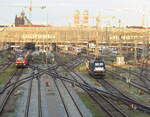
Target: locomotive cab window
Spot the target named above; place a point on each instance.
(20, 58)
(99, 64)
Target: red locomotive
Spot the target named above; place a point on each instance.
(21, 61)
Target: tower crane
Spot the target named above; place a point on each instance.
(29, 7)
(99, 19)
(143, 12)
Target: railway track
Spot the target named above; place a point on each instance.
(7, 93)
(11, 77)
(39, 97)
(13, 85)
(62, 99)
(113, 90)
(109, 87)
(108, 106)
(141, 80)
(4, 66)
(52, 71)
(28, 100)
(90, 88)
(129, 101)
(132, 83)
(34, 95)
(73, 81)
(72, 102)
(57, 83)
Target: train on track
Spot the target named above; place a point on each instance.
(23, 60)
(96, 67)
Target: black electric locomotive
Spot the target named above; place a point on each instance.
(96, 67)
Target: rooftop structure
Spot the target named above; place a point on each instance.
(22, 20)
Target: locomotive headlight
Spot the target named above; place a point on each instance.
(99, 69)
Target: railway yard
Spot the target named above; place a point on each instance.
(59, 85)
(74, 58)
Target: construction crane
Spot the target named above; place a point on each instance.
(29, 7)
(23, 6)
(144, 22)
(99, 19)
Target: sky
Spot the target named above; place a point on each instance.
(59, 12)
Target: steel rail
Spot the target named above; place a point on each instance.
(7, 96)
(71, 96)
(65, 107)
(28, 100)
(99, 97)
